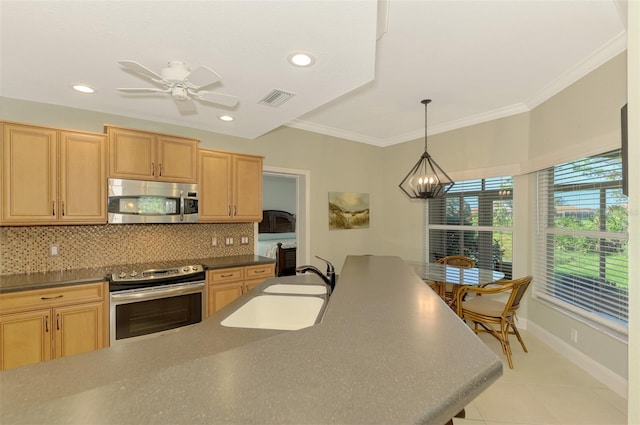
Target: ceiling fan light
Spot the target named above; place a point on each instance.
(83, 88)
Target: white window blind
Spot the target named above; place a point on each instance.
(581, 239)
(474, 219)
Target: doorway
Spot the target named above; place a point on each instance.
(298, 180)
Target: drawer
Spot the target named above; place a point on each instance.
(225, 275)
(52, 297)
(262, 271)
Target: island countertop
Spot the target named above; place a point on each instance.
(383, 353)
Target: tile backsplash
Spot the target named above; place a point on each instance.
(27, 249)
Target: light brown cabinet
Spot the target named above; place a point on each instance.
(227, 285)
(52, 176)
(40, 325)
(141, 155)
(230, 187)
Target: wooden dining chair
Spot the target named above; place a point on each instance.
(447, 290)
(494, 316)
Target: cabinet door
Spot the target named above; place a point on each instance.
(29, 174)
(247, 189)
(177, 159)
(25, 338)
(78, 329)
(131, 154)
(214, 172)
(221, 294)
(83, 176)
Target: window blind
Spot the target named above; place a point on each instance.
(581, 239)
(473, 219)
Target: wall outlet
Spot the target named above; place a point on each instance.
(574, 335)
(228, 241)
(53, 251)
(214, 241)
(244, 240)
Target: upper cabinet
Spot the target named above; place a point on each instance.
(148, 156)
(52, 176)
(230, 187)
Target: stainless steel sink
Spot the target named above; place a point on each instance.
(283, 312)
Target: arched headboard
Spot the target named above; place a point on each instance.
(276, 221)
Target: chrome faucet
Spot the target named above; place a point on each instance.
(329, 279)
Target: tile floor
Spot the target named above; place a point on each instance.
(543, 388)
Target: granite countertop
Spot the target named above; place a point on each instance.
(27, 281)
(388, 350)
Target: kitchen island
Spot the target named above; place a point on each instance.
(388, 350)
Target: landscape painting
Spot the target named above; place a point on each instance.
(348, 210)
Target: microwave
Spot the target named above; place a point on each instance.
(137, 201)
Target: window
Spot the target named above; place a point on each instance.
(581, 244)
(474, 219)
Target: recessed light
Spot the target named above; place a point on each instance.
(301, 59)
(83, 88)
(226, 118)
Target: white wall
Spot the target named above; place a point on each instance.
(633, 90)
(279, 193)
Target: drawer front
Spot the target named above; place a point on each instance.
(226, 275)
(262, 271)
(52, 297)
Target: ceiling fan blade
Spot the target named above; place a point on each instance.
(142, 90)
(217, 98)
(186, 107)
(202, 77)
(141, 70)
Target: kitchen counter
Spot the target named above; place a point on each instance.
(388, 350)
(27, 281)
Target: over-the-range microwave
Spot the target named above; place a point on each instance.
(138, 201)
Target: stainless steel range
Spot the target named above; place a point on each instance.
(146, 302)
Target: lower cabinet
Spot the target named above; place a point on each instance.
(227, 285)
(37, 326)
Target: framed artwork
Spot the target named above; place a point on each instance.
(348, 210)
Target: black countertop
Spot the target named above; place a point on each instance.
(27, 281)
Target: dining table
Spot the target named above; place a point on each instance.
(456, 276)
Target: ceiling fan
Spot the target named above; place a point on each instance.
(181, 83)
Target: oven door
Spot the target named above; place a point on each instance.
(140, 313)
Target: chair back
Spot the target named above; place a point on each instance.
(457, 261)
(519, 288)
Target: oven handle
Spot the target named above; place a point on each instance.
(154, 293)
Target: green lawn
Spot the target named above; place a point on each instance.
(588, 264)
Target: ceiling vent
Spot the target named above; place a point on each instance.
(276, 98)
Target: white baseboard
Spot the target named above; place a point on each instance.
(615, 382)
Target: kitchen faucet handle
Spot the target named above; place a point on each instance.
(330, 268)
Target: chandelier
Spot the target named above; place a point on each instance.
(426, 179)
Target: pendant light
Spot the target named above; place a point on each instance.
(426, 179)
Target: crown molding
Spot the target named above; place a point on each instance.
(614, 47)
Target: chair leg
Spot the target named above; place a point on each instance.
(517, 334)
(506, 348)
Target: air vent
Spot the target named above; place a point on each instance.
(276, 97)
